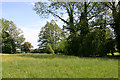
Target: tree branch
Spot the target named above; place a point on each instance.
(93, 16)
(91, 8)
(58, 17)
(108, 6)
(88, 4)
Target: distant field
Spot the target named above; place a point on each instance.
(57, 66)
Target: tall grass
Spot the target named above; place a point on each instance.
(57, 66)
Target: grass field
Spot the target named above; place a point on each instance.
(57, 66)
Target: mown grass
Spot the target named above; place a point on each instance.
(57, 66)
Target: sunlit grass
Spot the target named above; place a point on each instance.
(57, 66)
(116, 53)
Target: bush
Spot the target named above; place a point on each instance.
(61, 47)
(35, 51)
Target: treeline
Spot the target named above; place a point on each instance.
(93, 27)
(53, 39)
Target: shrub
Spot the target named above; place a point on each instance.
(35, 51)
(61, 47)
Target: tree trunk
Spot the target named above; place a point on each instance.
(112, 53)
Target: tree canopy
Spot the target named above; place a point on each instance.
(12, 37)
(26, 47)
(88, 23)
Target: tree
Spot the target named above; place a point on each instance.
(12, 37)
(50, 33)
(49, 49)
(61, 47)
(26, 47)
(115, 8)
(86, 20)
(73, 9)
(79, 16)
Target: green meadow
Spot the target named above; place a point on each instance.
(57, 66)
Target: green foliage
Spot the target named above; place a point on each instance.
(110, 45)
(79, 28)
(26, 47)
(49, 49)
(35, 51)
(109, 34)
(89, 35)
(9, 46)
(12, 37)
(61, 47)
(92, 44)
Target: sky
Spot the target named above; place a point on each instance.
(25, 18)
